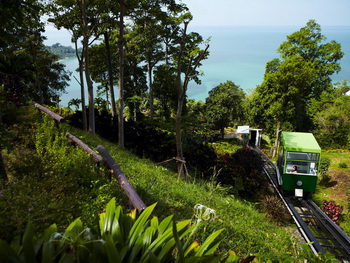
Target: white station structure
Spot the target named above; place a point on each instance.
(249, 135)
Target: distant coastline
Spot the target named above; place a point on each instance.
(237, 53)
(63, 52)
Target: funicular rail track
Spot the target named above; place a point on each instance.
(315, 226)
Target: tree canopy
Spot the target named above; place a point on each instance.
(225, 105)
(303, 72)
(27, 70)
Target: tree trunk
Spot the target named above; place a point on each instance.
(121, 75)
(110, 75)
(278, 131)
(151, 106)
(87, 70)
(107, 98)
(222, 132)
(3, 174)
(178, 138)
(130, 192)
(180, 101)
(82, 88)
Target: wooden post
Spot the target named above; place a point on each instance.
(96, 157)
(53, 115)
(134, 198)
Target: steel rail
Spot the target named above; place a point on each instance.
(330, 231)
(333, 230)
(303, 229)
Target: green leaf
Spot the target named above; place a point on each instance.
(135, 250)
(191, 247)
(28, 244)
(45, 237)
(75, 228)
(155, 222)
(166, 250)
(178, 243)
(140, 225)
(111, 250)
(212, 249)
(162, 239)
(207, 242)
(123, 252)
(165, 224)
(116, 231)
(232, 257)
(148, 235)
(16, 244)
(107, 219)
(7, 254)
(48, 251)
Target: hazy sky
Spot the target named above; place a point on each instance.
(252, 12)
(268, 12)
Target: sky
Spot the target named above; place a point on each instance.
(268, 12)
(252, 13)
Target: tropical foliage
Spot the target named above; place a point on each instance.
(120, 237)
(224, 106)
(27, 70)
(301, 74)
(46, 180)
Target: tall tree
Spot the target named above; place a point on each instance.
(108, 21)
(27, 70)
(147, 28)
(69, 15)
(309, 43)
(86, 38)
(121, 75)
(302, 73)
(224, 105)
(165, 88)
(331, 116)
(188, 59)
(110, 72)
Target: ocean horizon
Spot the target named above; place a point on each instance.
(237, 53)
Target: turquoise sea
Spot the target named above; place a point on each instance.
(239, 54)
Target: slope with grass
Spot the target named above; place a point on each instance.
(70, 186)
(338, 187)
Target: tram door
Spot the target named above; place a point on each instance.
(252, 140)
(255, 137)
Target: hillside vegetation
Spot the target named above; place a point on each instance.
(52, 181)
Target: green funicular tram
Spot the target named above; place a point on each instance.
(298, 163)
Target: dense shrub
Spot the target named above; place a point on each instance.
(342, 165)
(155, 144)
(149, 142)
(49, 180)
(242, 170)
(323, 172)
(275, 209)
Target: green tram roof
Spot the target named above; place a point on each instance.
(300, 142)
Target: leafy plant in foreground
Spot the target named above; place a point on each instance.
(121, 237)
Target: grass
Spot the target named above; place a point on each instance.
(337, 157)
(226, 146)
(247, 231)
(338, 188)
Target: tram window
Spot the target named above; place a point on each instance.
(303, 156)
(309, 168)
